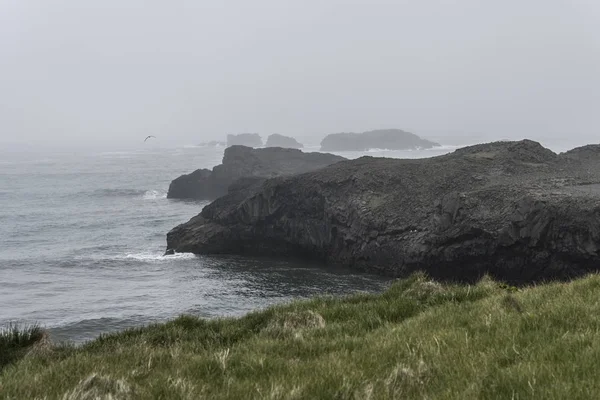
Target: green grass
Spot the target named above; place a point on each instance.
(17, 341)
(419, 339)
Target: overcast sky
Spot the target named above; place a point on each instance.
(110, 72)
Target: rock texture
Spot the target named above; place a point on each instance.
(245, 139)
(245, 162)
(390, 139)
(276, 140)
(514, 210)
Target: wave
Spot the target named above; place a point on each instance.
(377, 150)
(435, 148)
(150, 257)
(447, 147)
(93, 257)
(152, 194)
(155, 194)
(409, 150)
(209, 145)
(118, 192)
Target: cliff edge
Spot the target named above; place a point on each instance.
(514, 210)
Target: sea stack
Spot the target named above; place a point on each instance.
(389, 139)
(276, 140)
(245, 162)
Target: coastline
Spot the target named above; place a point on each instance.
(418, 339)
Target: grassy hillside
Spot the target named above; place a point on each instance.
(419, 339)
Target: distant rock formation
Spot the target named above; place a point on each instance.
(389, 139)
(245, 139)
(514, 210)
(245, 162)
(277, 140)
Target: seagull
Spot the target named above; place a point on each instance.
(148, 137)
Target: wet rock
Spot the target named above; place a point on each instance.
(524, 219)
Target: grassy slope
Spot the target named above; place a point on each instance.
(417, 340)
(16, 342)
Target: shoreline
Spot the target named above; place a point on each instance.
(419, 338)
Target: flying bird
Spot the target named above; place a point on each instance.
(148, 137)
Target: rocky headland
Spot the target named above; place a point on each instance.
(253, 165)
(277, 140)
(245, 139)
(514, 210)
(390, 139)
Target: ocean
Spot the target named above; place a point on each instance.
(83, 236)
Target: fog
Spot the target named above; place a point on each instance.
(109, 73)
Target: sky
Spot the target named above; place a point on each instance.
(108, 73)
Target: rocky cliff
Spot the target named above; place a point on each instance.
(245, 162)
(276, 140)
(514, 210)
(391, 139)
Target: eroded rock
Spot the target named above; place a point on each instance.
(514, 210)
(245, 162)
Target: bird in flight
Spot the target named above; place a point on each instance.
(148, 137)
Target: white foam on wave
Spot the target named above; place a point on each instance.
(377, 150)
(147, 256)
(117, 192)
(448, 147)
(311, 148)
(155, 194)
(154, 257)
(435, 148)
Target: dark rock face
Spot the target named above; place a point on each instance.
(244, 139)
(244, 162)
(514, 210)
(197, 185)
(276, 140)
(391, 139)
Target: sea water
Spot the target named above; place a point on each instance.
(82, 237)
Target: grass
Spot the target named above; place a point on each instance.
(17, 341)
(419, 339)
